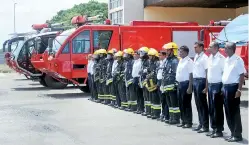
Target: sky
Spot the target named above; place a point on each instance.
(30, 12)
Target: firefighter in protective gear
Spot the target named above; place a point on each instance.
(118, 78)
(96, 76)
(142, 81)
(169, 84)
(131, 102)
(109, 79)
(151, 84)
(103, 67)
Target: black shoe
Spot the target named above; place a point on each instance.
(187, 126)
(149, 116)
(203, 130)
(144, 114)
(197, 128)
(180, 125)
(174, 122)
(228, 138)
(166, 121)
(210, 133)
(217, 134)
(127, 109)
(154, 117)
(235, 139)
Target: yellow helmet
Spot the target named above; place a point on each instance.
(96, 52)
(102, 51)
(129, 51)
(145, 49)
(119, 54)
(171, 45)
(112, 51)
(153, 52)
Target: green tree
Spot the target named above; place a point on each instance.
(92, 8)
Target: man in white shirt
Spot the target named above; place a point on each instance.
(165, 108)
(233, 79)
(199, 87)
(215, 71)
(89, 72)
(184, 76)
(136, 90)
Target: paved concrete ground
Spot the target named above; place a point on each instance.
(2, 61)
(33, 115)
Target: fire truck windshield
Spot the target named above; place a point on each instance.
(58, 41)
(15, 52)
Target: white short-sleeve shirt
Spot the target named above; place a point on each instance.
(233, 68)
(215, 68)
(200, 65)
(136, 68)
(184, 68)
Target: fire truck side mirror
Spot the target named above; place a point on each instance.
(202, 35)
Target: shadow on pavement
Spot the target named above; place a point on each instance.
(68, 95)
(39, 88)
(245, 141)
(21, 79)
(244, 103)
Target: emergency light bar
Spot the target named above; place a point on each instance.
(219, 23)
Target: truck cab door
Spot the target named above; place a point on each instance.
(80, 48)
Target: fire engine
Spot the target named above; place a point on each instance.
(69, 60)
(32, 49)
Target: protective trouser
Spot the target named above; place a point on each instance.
(164, 105)
(147, 102)
(122, 94)
(174, 110)
(216, 101)
(199, 85)
(185, 103)
(108, 95)
(132, 96)
(155, 104)
(94, 90)
(232, 109)
(102, 87)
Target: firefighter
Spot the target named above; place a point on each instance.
(142, 80)
(137, 92)
(103, 67)
(151, 84)
(169, 82)
(200, 87)
(164, 107)
(109, 79)
(89, 74)
(233, 79)
(128, 57)
(95, 76)
(114, 89)
(184, 77)
(118, 78)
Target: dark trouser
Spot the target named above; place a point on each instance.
(165, 107)
(216, 101)
(147, 102)
(102, 91)
(201, 102)
(98, 85)
(129, 95)
(122, 93)
(115, 94)
(172, 102)
(185, 103)
(108, 95)
(138, 94)
(90, 84)
(94, 90)
(155, 104)
(134, 95)
(232, 109)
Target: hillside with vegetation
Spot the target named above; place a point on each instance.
(92, 8)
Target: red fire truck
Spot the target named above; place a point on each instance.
(69, 59)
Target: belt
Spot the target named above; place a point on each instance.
(230, 85)
(183, 82)
(199, 79)
(211, 84)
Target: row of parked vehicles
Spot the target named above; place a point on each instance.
(57, 57)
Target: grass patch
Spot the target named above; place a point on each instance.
(5, 69)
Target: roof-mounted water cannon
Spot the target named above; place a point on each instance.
(219, 23)
(107, 22)
(84, 20)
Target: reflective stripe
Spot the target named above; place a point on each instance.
(109, 81)
(156, 107)
(171, 110)
(132, 102)
(176, 110)
(125, 104)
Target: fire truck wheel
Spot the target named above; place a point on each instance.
(85, 89)
(54, 84)
(43, 83)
